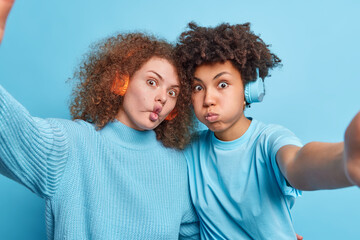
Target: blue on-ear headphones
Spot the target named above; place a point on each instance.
(254, 91)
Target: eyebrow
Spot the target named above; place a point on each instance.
(161, 78)
(158, 75)
(217, 76)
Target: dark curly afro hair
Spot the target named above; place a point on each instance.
(94, 101)
(236, 43)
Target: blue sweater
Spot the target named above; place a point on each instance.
(116, 183)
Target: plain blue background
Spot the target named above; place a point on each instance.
(315, 93)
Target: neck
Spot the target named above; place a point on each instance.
(235, 131)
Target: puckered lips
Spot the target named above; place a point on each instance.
(154, 115)
(211, 117)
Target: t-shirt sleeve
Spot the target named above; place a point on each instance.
(277, 137)
(33, 151)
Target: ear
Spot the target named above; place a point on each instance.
(120, 84)
(172, 115)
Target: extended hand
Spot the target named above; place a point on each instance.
(5, 7)
(352, 150)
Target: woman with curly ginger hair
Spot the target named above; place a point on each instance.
(119, 57)
(116, 171)
(245, 174)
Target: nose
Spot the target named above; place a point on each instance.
(209, 98)
(161, 96)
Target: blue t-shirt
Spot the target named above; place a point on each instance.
(237, 187)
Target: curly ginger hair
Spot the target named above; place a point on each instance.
(94, 101)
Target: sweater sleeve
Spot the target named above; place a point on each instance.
(33, 151)
(189, 228)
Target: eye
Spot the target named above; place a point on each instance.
(173, 93)
(223, 85)
(197, 88)
(151, 82)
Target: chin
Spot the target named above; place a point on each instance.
(148, 126)
(215, 127)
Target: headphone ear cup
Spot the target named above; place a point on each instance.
(120, 84)
(254, 91)
(172, 115)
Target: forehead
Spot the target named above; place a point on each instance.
(157, 63)
(162, 67)
(213, 69)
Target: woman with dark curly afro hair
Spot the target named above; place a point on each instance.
(245, 174)
(116, 171)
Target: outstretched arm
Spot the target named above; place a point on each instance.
(5, 7)
(33, 151)
(320, 165)
(352, 150)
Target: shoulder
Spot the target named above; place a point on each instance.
(69, 124)
(199, 140)
(274, 136)
(268, 131)
(73, 128)
(200, 137)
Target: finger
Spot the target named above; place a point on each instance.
(298, 237)
(5, 7)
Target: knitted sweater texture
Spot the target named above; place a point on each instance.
(115, 183)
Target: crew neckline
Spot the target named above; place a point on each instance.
(231, 144)
(121, 134)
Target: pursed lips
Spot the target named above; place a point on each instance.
(211, 117)
(154, 115)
